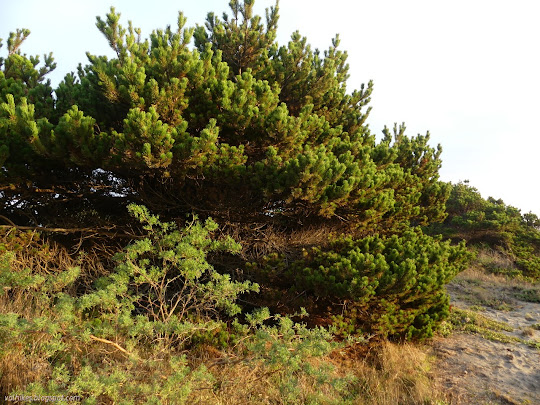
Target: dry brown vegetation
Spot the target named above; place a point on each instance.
(385, 374)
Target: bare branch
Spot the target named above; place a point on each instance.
(109, 342)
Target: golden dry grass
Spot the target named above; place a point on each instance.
(18, 369)
(477, 274)
(387, 374)
(494, 258)
(396, 374)
(264, 239)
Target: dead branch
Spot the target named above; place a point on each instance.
(9, 221)
(93, 231)
(109, 342)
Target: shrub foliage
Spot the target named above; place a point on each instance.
(490, 223)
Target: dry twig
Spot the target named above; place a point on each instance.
(109, 342)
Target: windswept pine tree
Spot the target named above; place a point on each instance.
(222, 121)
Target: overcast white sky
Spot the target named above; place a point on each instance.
(466, 70)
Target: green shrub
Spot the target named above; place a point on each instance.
(163, 284)
(391, 285)
(493, 224)
(288, 350)
(122, 340)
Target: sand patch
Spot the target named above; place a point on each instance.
(473, 367)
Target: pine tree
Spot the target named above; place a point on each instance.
(257, 135)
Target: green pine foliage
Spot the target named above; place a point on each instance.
(25, 100)
(390, 285)
(21, 77)
(274, 123)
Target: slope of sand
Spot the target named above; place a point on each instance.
(472, 369)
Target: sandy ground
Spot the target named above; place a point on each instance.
(475, 370)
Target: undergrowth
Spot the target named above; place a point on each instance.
(164, 327)
(505, 241)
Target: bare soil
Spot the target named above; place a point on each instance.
(472, 369)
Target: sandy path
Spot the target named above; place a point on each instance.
(475, 370)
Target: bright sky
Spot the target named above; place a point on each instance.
(467, 71)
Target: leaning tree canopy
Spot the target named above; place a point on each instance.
(210, 117)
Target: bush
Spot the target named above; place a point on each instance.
(136, 319)
(166, 281)
(491, 223)
(107, 353)
(391, 285)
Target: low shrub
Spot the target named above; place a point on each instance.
(123, 340)
(392, 286)
(492, 225)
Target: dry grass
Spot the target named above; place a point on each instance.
(494, 259)
(479, 286)
(500, 263)
(528, 332)
(263, 239)
(21, 362)
(387, 374)
(17, 370)
(478, 275)
(45, 259)
(396, 374)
